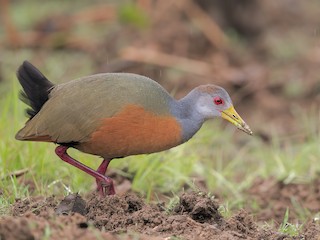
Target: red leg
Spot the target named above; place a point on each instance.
(101, 184)
(105, 182)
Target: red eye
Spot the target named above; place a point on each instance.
(218, 100)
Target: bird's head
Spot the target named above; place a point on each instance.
(213, 101)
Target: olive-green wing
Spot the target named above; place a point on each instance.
(75, 109)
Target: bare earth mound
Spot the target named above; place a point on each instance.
(195, 216)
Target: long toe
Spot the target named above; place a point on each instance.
(105, 186)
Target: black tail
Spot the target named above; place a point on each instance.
(36, 87)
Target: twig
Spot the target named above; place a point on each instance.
(166, 60)
(204, 22)
(16, 174)
(220, 74)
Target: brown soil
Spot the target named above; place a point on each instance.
(275, 197)
(195, 216)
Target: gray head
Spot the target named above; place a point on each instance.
(211, 101)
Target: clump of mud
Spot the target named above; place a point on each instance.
(200, 208)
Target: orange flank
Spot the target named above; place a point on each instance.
(133, 131)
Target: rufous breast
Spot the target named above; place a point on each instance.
(133, 131)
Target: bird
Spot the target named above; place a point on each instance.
(115, 115)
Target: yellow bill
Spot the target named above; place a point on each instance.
(232, 116)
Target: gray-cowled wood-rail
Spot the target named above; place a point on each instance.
(114, 115)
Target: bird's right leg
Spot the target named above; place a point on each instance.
(106, 182)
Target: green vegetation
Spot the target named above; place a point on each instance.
(131, 14)
(288, 228)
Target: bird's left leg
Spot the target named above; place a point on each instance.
(101, 185)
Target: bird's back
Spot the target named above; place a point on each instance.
(77, 109)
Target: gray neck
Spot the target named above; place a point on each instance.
(190, 120)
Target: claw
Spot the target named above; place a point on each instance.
(105, 187)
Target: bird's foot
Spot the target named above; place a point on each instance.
(105, 186)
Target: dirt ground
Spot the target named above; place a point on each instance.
(254, 77)
(127, 216)
(275, 197)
